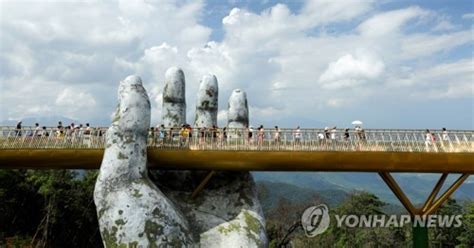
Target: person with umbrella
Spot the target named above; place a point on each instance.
(358, 128)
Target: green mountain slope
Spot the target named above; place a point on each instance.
(416, 186)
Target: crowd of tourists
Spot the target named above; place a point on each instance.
(71, 130)
(184, 135)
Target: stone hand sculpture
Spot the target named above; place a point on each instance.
(132, 211)
(174, 99)
(238, 112)
(207, 102)
(227, 212)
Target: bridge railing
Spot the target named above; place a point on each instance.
(247, 139)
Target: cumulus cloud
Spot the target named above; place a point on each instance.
(46, 51)
(445, 80)
(287, 60)
(348, 71)
(71, 98)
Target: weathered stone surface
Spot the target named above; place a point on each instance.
(238, 112)
(132, 211)
(207, 102)
(174, 98)
(227, 213)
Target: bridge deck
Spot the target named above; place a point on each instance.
(291, 150)
(461, 162)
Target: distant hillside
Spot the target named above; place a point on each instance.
(270, 194)
(417, 186)
(309, 180)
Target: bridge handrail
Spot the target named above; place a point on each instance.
(394, 140)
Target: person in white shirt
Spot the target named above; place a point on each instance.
(445, 134)
(333, 133)
(87, 140)
(428, 139)
(250, 135)
(37, 130)
(297, 135)
(277, 136)
(321, 138)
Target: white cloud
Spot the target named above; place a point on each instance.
(45, 46)
(445, 80)
(444, 25)
(417, 45)
(327, 11)
(288, 61)
(71, 98)
(348, 71)
(468, 16)
(390, 22)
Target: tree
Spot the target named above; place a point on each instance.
(446, 236)
(51, 208)
(360, 203)
(466, 238)
(284, 222)
(20, 205)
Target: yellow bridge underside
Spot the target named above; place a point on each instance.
(249, 160)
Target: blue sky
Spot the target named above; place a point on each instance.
(391, 64)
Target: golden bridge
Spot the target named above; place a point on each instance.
(373, 150)
(376, 150)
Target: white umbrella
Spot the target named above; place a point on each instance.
(357, 122)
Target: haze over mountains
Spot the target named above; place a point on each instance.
(51, 121)
(416, 186)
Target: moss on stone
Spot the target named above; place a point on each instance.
(136, 193)
(121, 156)
(252, 223)
(110, 239)
(174, 119)
(232, 227)
(205, 104)
(129, 140)
(252, 228)
(157, 213)
(120, 222)
(101, 212)
(152, 231)
(117, 114)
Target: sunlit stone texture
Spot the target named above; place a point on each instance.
(207, 102)
(238, 112)
(131, 210)
(174, 99)
(227, 213)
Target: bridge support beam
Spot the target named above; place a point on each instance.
(420, 234)
(202, 184)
